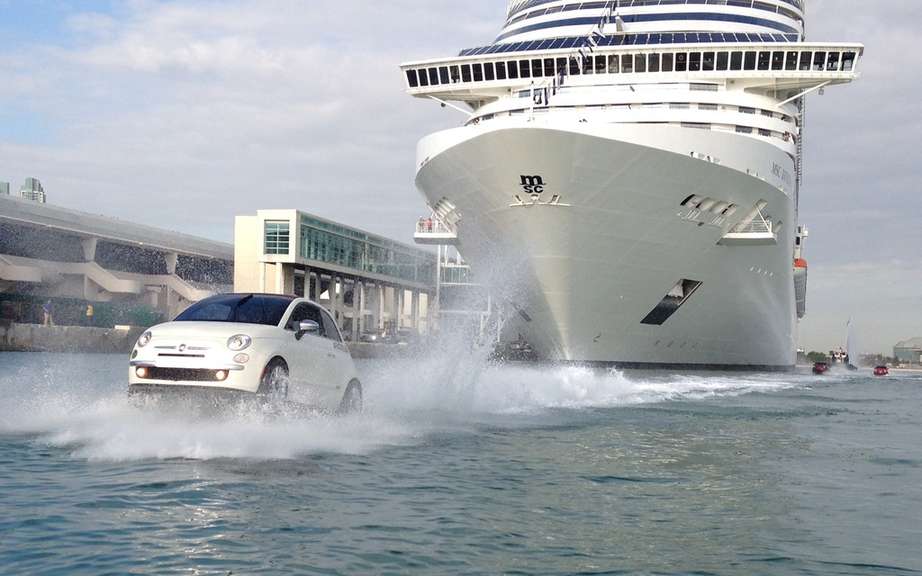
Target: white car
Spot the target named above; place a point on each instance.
(279, 348)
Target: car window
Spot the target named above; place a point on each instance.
(246, 308)
(305, 312)
(331, 330)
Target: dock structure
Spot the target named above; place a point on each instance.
(461, 299)
(98, 269)
(371, 285)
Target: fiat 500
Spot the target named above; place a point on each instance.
(276, 348)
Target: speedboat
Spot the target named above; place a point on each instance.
(820, 368)
(881, 371)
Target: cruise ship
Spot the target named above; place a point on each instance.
(627, 177)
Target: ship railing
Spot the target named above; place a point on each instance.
(758, 226)
(432, 231)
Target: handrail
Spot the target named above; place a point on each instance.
(432, 226)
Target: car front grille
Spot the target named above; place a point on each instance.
(181, 374)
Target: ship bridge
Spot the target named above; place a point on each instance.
(764, 63)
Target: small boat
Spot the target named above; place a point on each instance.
(881, 371)
(820, 368)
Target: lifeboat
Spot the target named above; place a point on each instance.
(881, 371)
(820, 368)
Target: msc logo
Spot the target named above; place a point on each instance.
(533, 185)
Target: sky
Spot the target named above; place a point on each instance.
(184, 114)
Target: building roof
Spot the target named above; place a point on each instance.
(911, 344)
(25, 212)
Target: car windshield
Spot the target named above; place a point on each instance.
(243, 308)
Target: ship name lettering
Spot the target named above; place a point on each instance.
(532, 184)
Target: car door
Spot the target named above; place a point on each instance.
(341, 365)
(302, 353)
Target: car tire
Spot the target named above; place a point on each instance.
(273, 386)
(352, 399)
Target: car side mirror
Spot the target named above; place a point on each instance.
(307, 327)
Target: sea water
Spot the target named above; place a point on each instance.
(459, 467)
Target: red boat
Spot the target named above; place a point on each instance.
(881, 371)
(820, 368)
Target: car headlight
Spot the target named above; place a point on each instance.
(144, 339)
(239, 342)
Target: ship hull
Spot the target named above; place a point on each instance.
(581, 262)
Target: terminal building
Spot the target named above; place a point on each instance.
(125, 273)
(909, 351)
(371, 284)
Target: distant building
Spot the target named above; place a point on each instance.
(909, 351)
(5, 188)
(368, 282)
(32, 190)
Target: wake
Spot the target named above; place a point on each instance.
(79, 404)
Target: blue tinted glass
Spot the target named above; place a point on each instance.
(244, 308)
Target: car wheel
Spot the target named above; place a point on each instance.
(273, 387)
(352, 398)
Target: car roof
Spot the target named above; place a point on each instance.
(287, 297)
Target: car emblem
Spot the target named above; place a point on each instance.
(182, 347)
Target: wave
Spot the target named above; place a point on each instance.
(79, 404)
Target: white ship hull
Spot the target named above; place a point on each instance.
(585, 269)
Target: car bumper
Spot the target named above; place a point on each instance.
(242, 379)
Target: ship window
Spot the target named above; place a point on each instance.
(749, 62)
(612, 64)
(708, 62)
(466, 72)
(764, 60)
(805, 58)
(736, 61)
(654, 63)
(747, 110)
(423, 77)
(832, 63)
(433, 77)
(574, 66)
(848, 61)
(819, 61)
(744, 130)
(681, 62)
(667, 62)
(500, 70)
(443, 74)
(791, 63)
(455, 74)
(524, 69)
(627, 64)
(488, 71)
(671, 302)
(512, 69)
(548, 67)
(640, 63)
(600, 64)
(723, 60)
(764, 132)
(411, 78)
(694, 62)
(536, 68)
(561, 64)
(777, 60)
(478, 72)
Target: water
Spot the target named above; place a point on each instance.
(455, 468)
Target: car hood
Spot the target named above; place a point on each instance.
(211, 330)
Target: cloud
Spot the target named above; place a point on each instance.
(182, 115)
